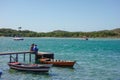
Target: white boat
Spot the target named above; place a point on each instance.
(18, 38)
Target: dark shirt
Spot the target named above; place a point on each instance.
(35, 49)
(31, 49)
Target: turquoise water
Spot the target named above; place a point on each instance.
(97, 59)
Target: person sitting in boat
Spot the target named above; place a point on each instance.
(35, 49)
(32, 47)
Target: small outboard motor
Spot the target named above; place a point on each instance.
(0, 73)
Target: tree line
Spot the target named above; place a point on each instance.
(59, 33)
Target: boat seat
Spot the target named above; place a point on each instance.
(15, 63)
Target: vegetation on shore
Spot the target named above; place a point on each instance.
(115, 33)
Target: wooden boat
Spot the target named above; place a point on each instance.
(58, 62)
(30, 67)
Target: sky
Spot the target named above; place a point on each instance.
(68, 15)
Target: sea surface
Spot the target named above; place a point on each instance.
(97, 58)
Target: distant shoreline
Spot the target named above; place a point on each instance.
(115, 33)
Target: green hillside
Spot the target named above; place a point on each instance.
(115, 33)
